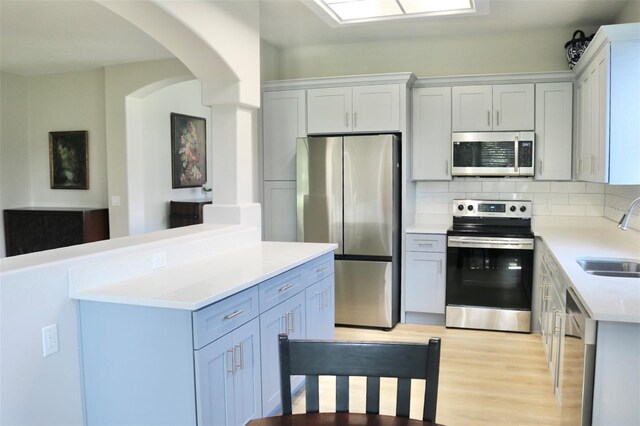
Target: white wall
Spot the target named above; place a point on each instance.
(15, 177)
(156, 108)
(60, 102)
(529, 51)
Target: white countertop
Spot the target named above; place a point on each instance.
(438, 224)
(605, 298)
(197, 284)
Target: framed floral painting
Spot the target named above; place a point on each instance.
(188, 151)
(69, 159)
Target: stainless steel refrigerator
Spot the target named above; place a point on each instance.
(348, 192)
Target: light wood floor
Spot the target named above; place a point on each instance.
(486, 377)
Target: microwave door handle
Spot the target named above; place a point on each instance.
(517, 141)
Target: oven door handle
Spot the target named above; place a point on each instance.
(491, 242)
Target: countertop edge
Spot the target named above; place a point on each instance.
(95, 295)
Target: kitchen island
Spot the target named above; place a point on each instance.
(196, 342)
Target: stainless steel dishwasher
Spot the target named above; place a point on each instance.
(578, 363)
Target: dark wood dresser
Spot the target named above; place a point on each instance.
(31, 229)
(183, 213)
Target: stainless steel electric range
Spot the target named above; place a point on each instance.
(490, 265)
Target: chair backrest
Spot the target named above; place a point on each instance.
(404, 361)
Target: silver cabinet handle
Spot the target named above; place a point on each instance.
(545, 292)
(355, 119)
(426, 244)
(290, 323)
(579, 166)
(440, 267)
(285, 287)
(284, 326)
(322, 268)
(497, 117)
(231, 364)
(233, 314)
(489, 118)
(239, 363)
(539, 166)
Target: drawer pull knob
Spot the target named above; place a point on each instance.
(322, 268)
(285, 287)
(233, 314)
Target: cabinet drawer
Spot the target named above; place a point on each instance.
(427, 242)
(219, 318)
(281, 287)
(318, 268)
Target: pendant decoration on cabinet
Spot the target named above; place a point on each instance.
(576, 47)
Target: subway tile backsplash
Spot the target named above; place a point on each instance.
(548, 198)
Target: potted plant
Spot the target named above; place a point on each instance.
(207, 190)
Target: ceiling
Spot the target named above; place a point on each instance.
(52, 36)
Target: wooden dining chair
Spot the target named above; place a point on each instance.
(404, 361)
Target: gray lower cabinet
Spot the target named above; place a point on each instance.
(320, 309)
(287, 317)
(425, 275)
(553, 287)
(228, 378)
(214, 366)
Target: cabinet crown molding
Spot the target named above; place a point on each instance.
(406, 78)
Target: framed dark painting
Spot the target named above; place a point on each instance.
(188, 151)
(69, 160)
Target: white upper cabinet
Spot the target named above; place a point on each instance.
(486, 108)
(431, 135)
(607, 148)
(283, 120)
(373, 108)
(554, 117)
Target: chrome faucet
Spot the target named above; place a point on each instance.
(624, 222)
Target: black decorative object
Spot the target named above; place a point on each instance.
(576, 47)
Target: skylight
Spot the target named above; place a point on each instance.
(358, 11)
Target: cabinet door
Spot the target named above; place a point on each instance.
(600, 118)
(554, 117)
(471, 108)
(376, 108)
(329, 110)
(513, 106)
(583, 143)
(247, 392)
(320, 309)
(214, 382)
(425, 283)
(431, 135)
(284, 118)
(287, 317)
(280, 211)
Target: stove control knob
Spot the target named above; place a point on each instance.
(470, 208)
(460, 207)
(523, 209)
(512, 208)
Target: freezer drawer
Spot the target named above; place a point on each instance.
(364, 293)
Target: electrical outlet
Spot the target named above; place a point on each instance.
(50, 340)
(159, 260)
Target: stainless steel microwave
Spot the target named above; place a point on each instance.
(492, 154)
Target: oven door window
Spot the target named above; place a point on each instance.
(489, 277)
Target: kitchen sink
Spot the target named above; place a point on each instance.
(610, 267)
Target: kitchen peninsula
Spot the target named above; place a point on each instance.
(195, 340)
